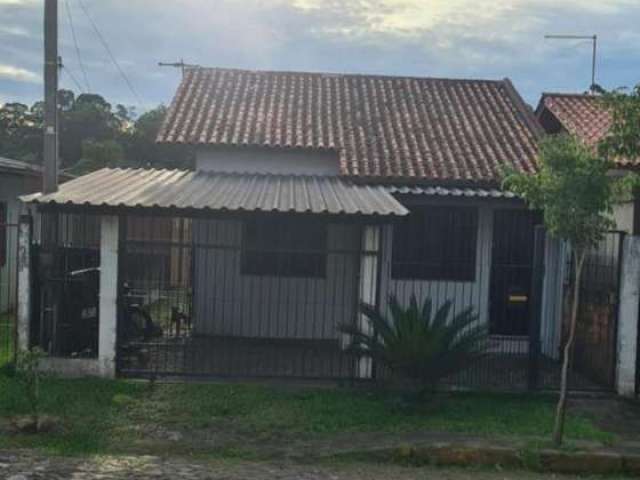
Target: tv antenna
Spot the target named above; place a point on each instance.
(179, 64)
(594, 41)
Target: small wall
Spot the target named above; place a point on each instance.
(623, 216)
(267, 160)
(227, 302)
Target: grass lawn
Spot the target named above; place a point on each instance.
(99, 416)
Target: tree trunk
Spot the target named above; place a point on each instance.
(561, 409)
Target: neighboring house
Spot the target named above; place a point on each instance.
(584, 116)
(16, 178)
(313, 192)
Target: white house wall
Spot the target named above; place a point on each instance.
(267, 160)
(623, 216)
(227, 302)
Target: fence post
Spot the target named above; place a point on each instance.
(535, 310)
(23, 319)
(108, 310)
(628, 317)
(368, 286)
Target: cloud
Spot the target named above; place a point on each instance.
(452, 38)
(17, 74)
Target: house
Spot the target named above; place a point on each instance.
(584, 116)
(314, 192)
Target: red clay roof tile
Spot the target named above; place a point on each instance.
(395, 127)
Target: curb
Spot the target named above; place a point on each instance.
(599, 462)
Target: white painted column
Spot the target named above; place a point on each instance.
(24, 281)
(628, 317)
(109, 237)
(368, 286)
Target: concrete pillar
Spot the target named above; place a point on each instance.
(628, 317)
(109, 238)
(24, 281)
(369, 265)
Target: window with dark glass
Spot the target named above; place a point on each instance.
(284, 247)
(436, 243)
(3, 234)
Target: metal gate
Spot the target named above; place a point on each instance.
(65, 322)
(595, 354)
(8, 289)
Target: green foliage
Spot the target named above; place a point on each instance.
(93, 134)
(423, 345)
(623, 140)
(120, 417)
(572, 188)
(30, 375)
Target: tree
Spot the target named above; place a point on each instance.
(575, 193)
(418, 343)
(623, 139)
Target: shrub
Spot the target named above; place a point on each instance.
(417, 343)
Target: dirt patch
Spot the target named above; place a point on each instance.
(618, 416)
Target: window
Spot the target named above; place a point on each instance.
(3, 233)
(284, 247)
(436, 243)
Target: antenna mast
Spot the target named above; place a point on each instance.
(594, 40)
(180, 64)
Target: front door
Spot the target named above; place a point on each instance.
(511, 271)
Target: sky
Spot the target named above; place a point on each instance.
(435, 38)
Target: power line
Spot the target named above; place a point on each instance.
(106, 47)
(73, 78)
(75, 42)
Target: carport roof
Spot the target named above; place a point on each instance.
(231, 192)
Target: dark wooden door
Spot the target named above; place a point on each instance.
(511, 270)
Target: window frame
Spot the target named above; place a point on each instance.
(311, 229)
(422, 268)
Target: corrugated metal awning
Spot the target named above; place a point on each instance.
(233, 192)
(476, 192)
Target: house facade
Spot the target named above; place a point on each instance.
(312, 193)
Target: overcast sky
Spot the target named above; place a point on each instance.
(437, 38)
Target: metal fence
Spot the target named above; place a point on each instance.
(594, 356)
(237, 298)
(232, 297)
(8, 291)
(66, 263)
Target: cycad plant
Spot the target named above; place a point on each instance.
(420, 344)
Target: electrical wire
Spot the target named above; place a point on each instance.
(75, 42)
(73, 78)
(109, 52)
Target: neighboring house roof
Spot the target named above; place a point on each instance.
(234, 192)
(413, 129)
(8, 165)
(582, 115)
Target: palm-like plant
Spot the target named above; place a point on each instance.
(417, 343)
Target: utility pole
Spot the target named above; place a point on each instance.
(51, 65)
(594, 41)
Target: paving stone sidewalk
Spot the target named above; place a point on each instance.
(26, 465)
